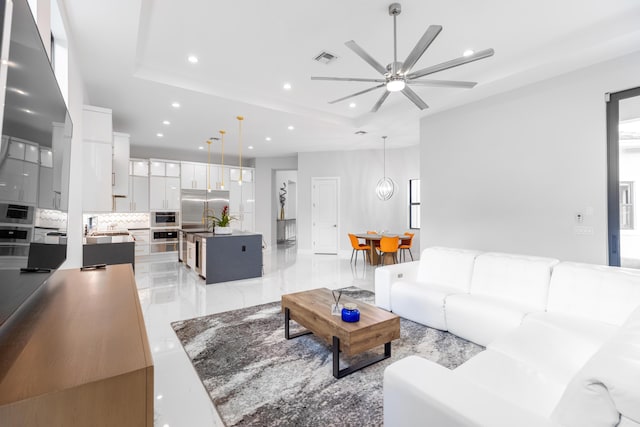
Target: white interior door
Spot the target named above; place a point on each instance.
(324, 214)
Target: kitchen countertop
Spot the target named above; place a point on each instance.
(235, 233)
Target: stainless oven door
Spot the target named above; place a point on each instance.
(15, 234)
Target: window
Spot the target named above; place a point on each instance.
(414, 203)
(626, 205)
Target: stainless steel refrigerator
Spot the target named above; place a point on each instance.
(198, 204)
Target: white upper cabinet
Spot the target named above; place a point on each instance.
(97, 165)
(193, 176)
(96, 124)
(120, 164)
(164, 193)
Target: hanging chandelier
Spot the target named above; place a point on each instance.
(386, 186)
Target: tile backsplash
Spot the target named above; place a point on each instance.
(46, 218)
(116, 221)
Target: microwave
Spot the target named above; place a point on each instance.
(16, 214)
(165, 219)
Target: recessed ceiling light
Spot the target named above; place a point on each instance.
(175, 104)
(290, 128)
(468, 52)
(352, 105)
(166, 122)
(286, 86)
(268, 138)
(361, 132)
(193, 59)
(159, 135)
(250, 147)
(18, 91)
(201, 148)
(26, 110)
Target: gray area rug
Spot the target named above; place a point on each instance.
(255, 377)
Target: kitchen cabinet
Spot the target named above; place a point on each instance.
(97, 151)
(164, 193)
(97, 124)
(139, 167)
(138, 198)
(164, 168)
(120, 164)
(97, 177)
(142, 240)
(19, 181)
(191, 251)
(193, 176)
(47, 198)
(20, 149)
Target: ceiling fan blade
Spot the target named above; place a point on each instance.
(425, 41)
(349, 79)
(409, 93)
(450, 64)
(364, 55)
(377, 105)
(357, 93)
(442, 83)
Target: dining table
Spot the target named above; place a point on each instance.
(373, 240)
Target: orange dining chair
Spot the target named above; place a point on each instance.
(357, 246)
(405, 245)
(389, 245)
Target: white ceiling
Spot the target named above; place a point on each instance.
(133, 55)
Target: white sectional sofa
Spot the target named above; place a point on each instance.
(562, 348)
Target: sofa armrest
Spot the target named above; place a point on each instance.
(386, 276)
(418, 392)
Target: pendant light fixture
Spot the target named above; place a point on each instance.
(240, 119)
(209, 142)
(386, 186)
(222, 166)
(209, 164)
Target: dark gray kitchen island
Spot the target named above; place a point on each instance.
(227, 257)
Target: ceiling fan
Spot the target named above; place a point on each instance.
(398, 75)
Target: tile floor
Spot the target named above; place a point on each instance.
(169, 291)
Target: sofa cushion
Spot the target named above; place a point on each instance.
(482, 318)
(607, 294)
(418, 392)
(421, 302)
(559, 349)
(447, 267)
(519, 278)
(607, 388)
(514, 381)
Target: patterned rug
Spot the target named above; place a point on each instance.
(255, 377)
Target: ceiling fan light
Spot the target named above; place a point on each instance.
(395, 85)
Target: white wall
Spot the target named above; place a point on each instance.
(360, 209)
(76, 100)
(510, 172)
(266, 203)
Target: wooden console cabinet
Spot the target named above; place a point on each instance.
(77, 354)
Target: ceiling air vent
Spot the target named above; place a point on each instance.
(361, 132)
(325, 57)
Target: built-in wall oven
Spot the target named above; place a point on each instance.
(16, 230)
(164, 240)
(165, 219)
(14, 240)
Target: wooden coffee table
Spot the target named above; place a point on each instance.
(312, 309)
